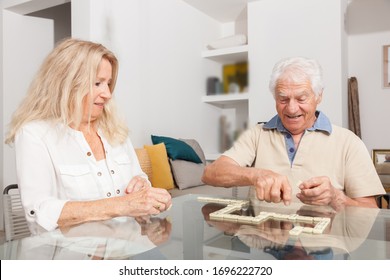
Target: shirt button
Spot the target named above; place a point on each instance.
(32, 212)
(118, 191)
(108, 194)
(89, 154)
(291, 150)
(99, 173)
(112, 172)
(288, 136)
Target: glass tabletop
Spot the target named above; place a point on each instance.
(187, 232)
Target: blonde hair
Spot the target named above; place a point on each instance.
(66, 76)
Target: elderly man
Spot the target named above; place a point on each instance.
(299, 154)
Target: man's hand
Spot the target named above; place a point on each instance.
(272, 187)
(320, 191)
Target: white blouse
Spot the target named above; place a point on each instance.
(55, 164)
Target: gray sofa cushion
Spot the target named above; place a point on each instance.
(186, 173)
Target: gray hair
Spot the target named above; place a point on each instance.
(297, 69)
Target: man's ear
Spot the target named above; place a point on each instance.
(319, 98)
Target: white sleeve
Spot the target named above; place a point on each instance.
(37, 180)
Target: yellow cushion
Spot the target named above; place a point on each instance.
(162, 175)
(144, 162)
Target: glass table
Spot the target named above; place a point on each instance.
(186, 232)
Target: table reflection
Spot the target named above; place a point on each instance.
(119, 238)
(187, 233)
(346, 232)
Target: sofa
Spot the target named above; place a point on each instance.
(177, 165)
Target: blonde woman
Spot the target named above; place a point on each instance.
(75, 161)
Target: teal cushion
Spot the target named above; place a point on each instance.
(177, 149)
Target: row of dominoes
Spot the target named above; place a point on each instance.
(296, 217)
(223, 201)
(234, 205)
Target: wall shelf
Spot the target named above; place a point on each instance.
(226, 100)
(228, 55)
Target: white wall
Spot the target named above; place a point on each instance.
(61, 16)
(1, 103)
(365, 63)
(162, 76)
(369, 30)
(26, 41)
(282, 28)
(19, 66)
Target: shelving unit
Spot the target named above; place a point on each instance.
(232, 14)
(236, 103)
(227, 56)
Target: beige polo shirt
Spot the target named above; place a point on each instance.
(341, 156)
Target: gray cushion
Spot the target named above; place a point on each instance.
(197, 148)
(186, 173)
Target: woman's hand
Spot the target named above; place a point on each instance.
(145, 201)
(137, 183)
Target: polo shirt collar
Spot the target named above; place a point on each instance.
(322, 123)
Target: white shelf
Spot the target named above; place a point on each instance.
(228, 55)
(224, 100)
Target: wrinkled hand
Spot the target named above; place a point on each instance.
(137, 183)
(320, 191)
(272, 187)
(145, 201)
